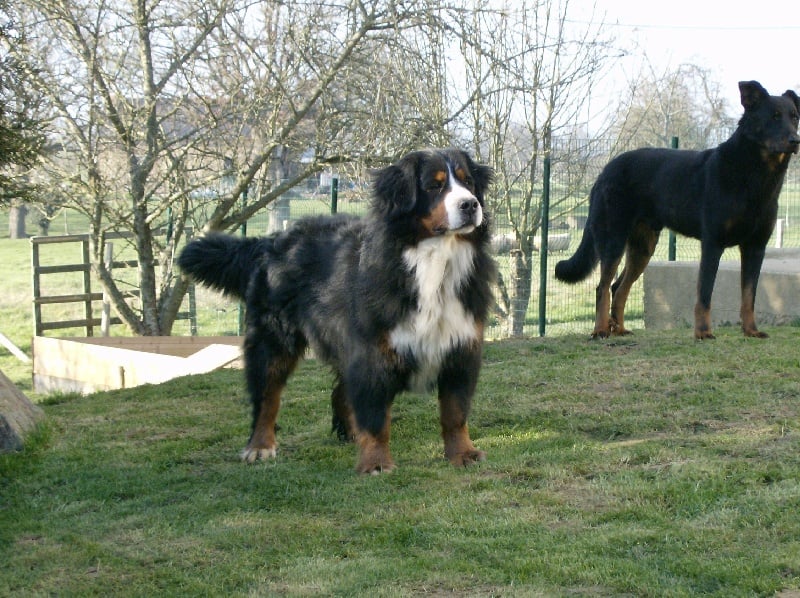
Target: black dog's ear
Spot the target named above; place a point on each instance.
(482, 175)
(751, 93)
(396, 185)
(792, 96)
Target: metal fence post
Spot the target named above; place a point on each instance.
(672, 249)
(243, 231)
(544, 233)
(334, 195)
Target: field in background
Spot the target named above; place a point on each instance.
(570, 308)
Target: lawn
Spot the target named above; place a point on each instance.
(652, 465)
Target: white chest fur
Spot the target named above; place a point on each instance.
(440, 266)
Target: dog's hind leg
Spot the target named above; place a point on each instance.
(608, 269)
(641, 245)
(752, 258)
(267, 368)
(342, 419)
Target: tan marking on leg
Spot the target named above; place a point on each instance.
(702, 322)
(373, 451)
(602, 327)
(262, 443)
(458, 447)
(748, 315)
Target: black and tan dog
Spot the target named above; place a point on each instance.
(393, 301)
(724, 196)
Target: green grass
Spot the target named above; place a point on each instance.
(652, 465)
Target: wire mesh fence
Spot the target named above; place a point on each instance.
(561, 308)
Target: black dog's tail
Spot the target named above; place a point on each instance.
(580, 265)
(222, 262)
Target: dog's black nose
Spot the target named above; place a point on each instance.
(469, 206)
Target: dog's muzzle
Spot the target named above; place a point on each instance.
(468, 215)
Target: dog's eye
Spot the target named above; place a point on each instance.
(776, 115)
(435, 186)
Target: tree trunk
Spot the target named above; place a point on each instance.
(16, 221)
(17, 415)
(279, 215)
(44, 226)
(520, 291)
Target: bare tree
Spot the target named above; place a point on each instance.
(21, 133)
(683, 102)
(157, 103)
(533, 73)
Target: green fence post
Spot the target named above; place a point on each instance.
(334, 195)
(544, 230)
(243, 231)
(672, 250)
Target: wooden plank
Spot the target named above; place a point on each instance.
(76, 298)
(57, 239)
(37, 309)
(180, 346)
(13, 349)
(87, 288)
(60, 325)
(62, 268)
(36, 240)
(210, 358)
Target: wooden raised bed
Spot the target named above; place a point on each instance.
(89, 364)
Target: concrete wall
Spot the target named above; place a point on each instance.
(670, 292)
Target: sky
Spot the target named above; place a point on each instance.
(760, 42)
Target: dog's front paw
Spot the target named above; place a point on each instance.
(467, 457)
(375, 468)
(755, 334)
(374, 456)
(253, 454)
(375, 463)
(702, 335)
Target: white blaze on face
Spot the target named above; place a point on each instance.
(440, 266)
(456, 197)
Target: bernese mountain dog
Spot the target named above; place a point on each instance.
(394, 301)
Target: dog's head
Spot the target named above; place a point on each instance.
(770, 121)
(439, 191)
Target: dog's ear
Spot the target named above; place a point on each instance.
(792, 96)
(751, 93)
(482, 175)
(396, 186)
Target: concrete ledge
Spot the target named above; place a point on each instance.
(670, 292)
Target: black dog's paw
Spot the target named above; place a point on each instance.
(342, 432)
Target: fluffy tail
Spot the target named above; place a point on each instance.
(580, 265)
(223, 262)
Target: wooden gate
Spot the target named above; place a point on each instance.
(91, 319)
